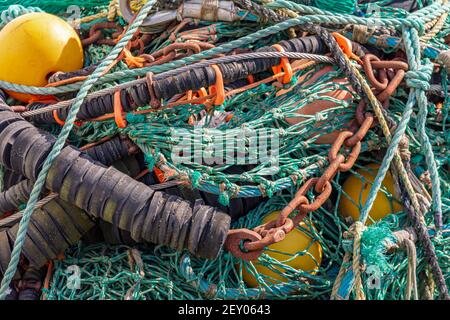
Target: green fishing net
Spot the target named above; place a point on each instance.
(116, 272)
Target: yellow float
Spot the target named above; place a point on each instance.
(35, 46)
(295, 241)
(357, 191)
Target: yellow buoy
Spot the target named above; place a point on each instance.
(295, 242)
(36, 45)
(357, 191)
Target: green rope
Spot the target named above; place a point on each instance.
(416, 20)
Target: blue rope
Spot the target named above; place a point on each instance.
(392, 149)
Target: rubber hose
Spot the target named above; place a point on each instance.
(139, 96)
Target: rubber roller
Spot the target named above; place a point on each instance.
(52, 229)
(11, 178)
(139, 95)
(15, 196)
(112, 150)
(108, 194)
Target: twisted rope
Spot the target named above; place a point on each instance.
(15, 11)
(357, 229)
(415, 20)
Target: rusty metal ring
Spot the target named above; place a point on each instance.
(361, 112)
(164, 59)
(351, 158)
(338, 144)
(238, 236)
(392, 64)
(392, 86)
(320, 199)
(106, 25)
(92, 38)
(270, 235)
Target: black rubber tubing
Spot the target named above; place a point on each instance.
(108, 194)
(139, 96)
(106, 153)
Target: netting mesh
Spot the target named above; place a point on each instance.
(105, 271)
(101, 271)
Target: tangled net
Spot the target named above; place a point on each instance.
(391, 265)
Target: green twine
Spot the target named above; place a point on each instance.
(373, 246)
(338, 6)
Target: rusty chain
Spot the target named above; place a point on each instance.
(385, 77)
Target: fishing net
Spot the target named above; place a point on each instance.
(286, 115)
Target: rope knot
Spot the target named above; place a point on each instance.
(403, 147)
(420, 79)
(356, 230)
(277, 114)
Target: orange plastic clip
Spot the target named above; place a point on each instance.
(58, 119)
(159, 175)
(201, 94)
(62, 122)
(218, 88)
(251, 79)
(118, 110)
(284, 66)
(346, 46)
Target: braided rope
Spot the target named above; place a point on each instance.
(436, 28)
(59, 144)
(113, 9)
(357, 228)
